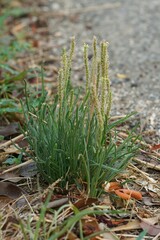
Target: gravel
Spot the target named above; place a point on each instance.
(133, 31)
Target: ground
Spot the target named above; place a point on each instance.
(132, 30)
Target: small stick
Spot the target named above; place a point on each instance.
(154, 154)
(117, 117)
(143, 173)
(146, 164)
(133, 236)
(17, 166)
(124, 135)
(57, 203)
(6, 144)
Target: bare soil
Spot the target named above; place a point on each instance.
(133, 32)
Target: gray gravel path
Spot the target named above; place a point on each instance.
(132, 29)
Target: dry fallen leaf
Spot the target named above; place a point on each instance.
(90, 226)
(11, 129)
(8, 221)
(28, 170)
(149, 225)
(155, 147)
(84, 202)
(72, 236)
(10, 190)
(149, 201)
(12, 149)
(11, 176)
(4, 201)
(107, 235)
(131, 225)
(127, 194)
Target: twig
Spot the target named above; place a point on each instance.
(125, 135)
(141, 172)
(156, 237)
(153, 153)
(146, 164)
(130, 236)
(117, 117)
(17, 166)
(6, 144)
(57, 203)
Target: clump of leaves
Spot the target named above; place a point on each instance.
(73, 137)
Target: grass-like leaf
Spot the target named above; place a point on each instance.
(73, 138)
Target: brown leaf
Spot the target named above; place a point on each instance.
(111, 222)
(72, 236)
(4, 201)
(28, 170)
(132, 224)
(84, 202)
(9, 220)
(90, 226)
(155, 147)
(149, 225)
(11, 176)
(149, 201)
(12, 128)
(11, 149)
(10, 190)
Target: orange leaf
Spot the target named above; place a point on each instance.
(155, 147)
(126, 194)
(112, 186)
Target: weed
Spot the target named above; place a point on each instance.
(73, 138)
(61, 224)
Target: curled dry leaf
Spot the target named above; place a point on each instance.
(111, 186)
(127, 194)
(151, 187)
(10, 190)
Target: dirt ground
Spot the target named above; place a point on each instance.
(133, 32)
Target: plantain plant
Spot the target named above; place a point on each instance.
(73, 138)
